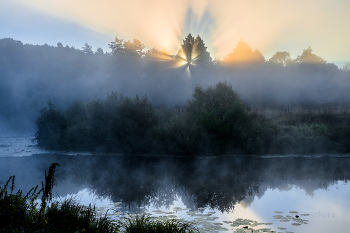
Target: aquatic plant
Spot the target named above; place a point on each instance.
(143, 223)
(17, 211)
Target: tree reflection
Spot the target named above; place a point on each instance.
(220, 183)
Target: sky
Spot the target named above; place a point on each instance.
(266, 25)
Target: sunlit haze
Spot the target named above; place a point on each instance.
(269, 25)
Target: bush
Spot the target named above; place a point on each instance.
(51, 128)
(220, 112)
(180, 135)
(115, 124)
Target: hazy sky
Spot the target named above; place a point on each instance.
(267, 25)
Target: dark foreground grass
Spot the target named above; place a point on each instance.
(144, 223)
(19, 213)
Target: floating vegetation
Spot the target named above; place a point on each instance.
(205, 222)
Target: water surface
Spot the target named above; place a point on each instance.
(270, 190)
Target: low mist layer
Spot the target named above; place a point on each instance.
(33, 74)
(215, 121)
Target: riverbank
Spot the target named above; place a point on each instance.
(214, 122)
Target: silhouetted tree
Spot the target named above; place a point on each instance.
(87, 49)
(99, 51)
(308, 57)
(194, 50)
(281, 58)
(346, 67)
(117, 46)
(134, 48)
(243, 54)
(187, 48)
(201, 55)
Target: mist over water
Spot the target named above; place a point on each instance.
(136, 154)
(32, 74)
(220, 184)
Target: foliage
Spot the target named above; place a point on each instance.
(346, 67)
(115, 124)
(180, 135)
(121, 47)
(215, 121)
(194, 51)
(243, 54)
(17, 210)
(87, 49)
(51, 128)
(69, 216)
(18, 213)
(144, 223)
(309, 57)
(281, 58)
(221, 113)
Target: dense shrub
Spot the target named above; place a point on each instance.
(215, 121)
(220, 112)
(115, 124)
(51, 128)
(179, 134)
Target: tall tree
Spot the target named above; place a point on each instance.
(194, 51)
(281, 58)
(87, 49)
(99, 51)
(309, 57)
(346, 67)
(243, 53)
(187, 48)
(201, 55)
(134, 48)
(117, 46)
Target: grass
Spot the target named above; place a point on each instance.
(144, 223)
(19, 213)
(309, 130)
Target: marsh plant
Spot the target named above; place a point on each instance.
(144, 223)
(19, 213)
(214, 121)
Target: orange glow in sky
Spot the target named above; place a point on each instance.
(269, 25)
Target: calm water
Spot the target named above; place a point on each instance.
(214, 192)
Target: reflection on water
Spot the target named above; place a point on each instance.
(268, 190)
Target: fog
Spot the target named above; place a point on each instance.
(138, 181)
(33, 74)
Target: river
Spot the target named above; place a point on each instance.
(221, 194)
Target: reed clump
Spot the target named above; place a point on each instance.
(19, 213)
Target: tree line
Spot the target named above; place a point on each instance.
(32, 74)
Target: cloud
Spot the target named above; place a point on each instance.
(269, 25)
